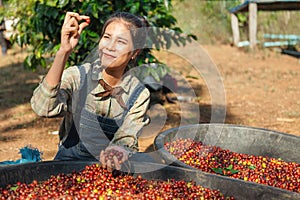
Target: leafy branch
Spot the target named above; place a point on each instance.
(39, 25)
(225, 171)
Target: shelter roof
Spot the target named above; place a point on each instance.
(268, 5)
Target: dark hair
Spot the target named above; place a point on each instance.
(136, 24)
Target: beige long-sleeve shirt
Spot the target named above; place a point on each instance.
(57, 101)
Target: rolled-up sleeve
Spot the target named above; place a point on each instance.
(134, 121)
(52, 101)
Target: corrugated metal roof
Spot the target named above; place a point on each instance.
(268, 5)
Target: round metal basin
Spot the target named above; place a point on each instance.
(240, 139)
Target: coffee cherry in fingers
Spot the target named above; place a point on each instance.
(88, 20)
(110, 154)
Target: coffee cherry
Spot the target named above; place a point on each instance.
(95, 182)
(111, 153)
(88, 20)
(263, 170)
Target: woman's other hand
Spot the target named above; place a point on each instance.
(72, 29)
(113, 157)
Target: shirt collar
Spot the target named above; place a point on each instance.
(97, 74)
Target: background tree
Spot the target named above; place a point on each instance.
(40, 24)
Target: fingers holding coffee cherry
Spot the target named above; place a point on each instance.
(113, 157)
(88, 20)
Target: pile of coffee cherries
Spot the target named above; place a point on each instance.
(258, 169)
(95, 182)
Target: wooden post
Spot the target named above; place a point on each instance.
(235, 29)
(252, 24)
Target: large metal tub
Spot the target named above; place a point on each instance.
(229, 187)
(240, 139)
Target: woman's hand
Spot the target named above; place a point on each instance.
(113, 157)
(71, 30)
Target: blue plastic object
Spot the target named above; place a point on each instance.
(28, 154)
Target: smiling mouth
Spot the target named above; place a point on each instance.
(109, 56)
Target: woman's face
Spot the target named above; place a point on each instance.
(116, 46)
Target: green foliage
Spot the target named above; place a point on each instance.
(40, 25)
(217, 13)
(225, 171)
(156, 70)
(209, 20)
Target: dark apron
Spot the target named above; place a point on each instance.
(95, 132)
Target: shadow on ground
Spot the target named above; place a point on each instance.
(17, 85)
(166, 114)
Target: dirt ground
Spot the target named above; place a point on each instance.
(262, 89)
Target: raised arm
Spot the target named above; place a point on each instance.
(70, 34)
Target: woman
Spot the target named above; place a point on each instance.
(103, 105)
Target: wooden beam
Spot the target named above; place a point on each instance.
(235, 29)
(252, 24)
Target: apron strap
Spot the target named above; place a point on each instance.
(131, 100)
(73, 137)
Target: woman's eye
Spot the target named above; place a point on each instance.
(122, 42)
